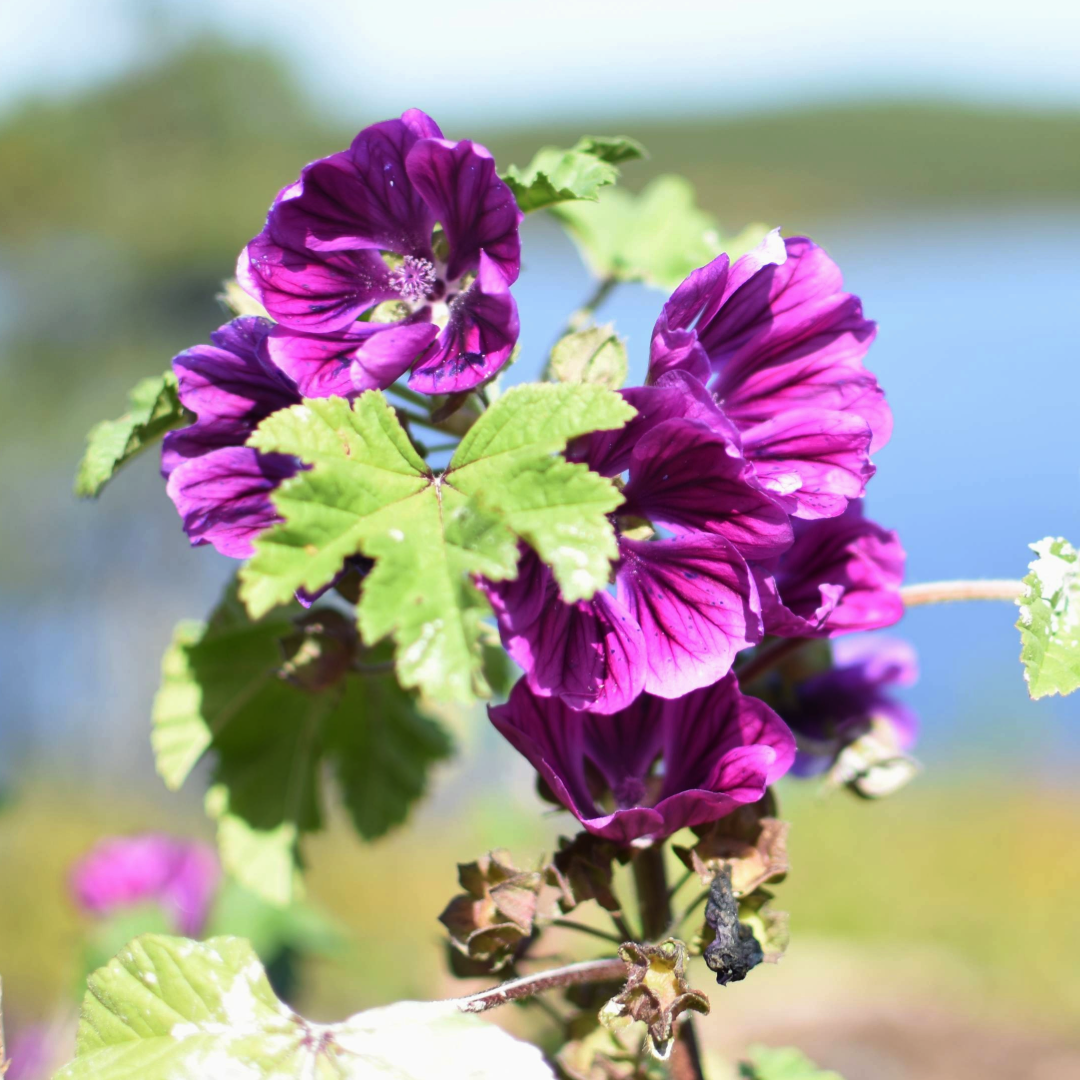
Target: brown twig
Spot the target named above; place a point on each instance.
(585, 972)
(944, 592)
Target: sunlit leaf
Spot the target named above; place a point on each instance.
(171, 1009)
(369, 492)
(557, 176)
(657, 236)
(153, 409)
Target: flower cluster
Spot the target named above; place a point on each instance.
(397, 254)
(744, 469)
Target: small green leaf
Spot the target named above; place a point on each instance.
(167, 1008)
(658, 236)
(1049, 622)
(556, 176)
(154, 409)
(595, 355)
(369, 492)
(784, 1063)
(241, 689)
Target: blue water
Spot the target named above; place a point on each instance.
(977, 351)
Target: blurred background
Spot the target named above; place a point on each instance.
(933, 147)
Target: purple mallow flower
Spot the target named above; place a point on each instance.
(221, 487)
(362, 285)
(720, 749)
(779, 346)
(833, 709)
(180, 876)
(683, 604)
(840, 575)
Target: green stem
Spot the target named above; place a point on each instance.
(622, 926)
(406, 394)
(683, 879)
(584, 313)
(581, 928)
(581, 317)
(650, 877)
(767, 658)
(928, 592)
(676, 926)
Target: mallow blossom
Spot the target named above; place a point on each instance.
(220, 487)
(833, 709)
(779, 345)
(362, 284)
(719, 749)
(180, 876)
(683, 604)
(757, 406)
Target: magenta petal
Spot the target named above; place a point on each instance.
(696, 604)
(812, 461)
(551, 736)
(475, 208)
(840, 575)
(224, 496)
(703, 729)
(687, 477)
(675, 395)
(231, 386)
(588, 653)
(319, 292)
(180, 876)
(360, 198)
(720, 750)
(676, 350)
(365, 356)
(476, 342)
(790, 337)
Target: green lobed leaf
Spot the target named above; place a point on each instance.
(657, 236)
(240, 689)
(369, 492)
(782, 1063)
(153, 409)
(595, 355)
(1049, 621)
(171, 1009)
(556, 176)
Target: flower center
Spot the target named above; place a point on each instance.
(413, 278)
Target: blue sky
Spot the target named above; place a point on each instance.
(503, 60)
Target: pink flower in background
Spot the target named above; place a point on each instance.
(32, 1054)
(179, 875)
